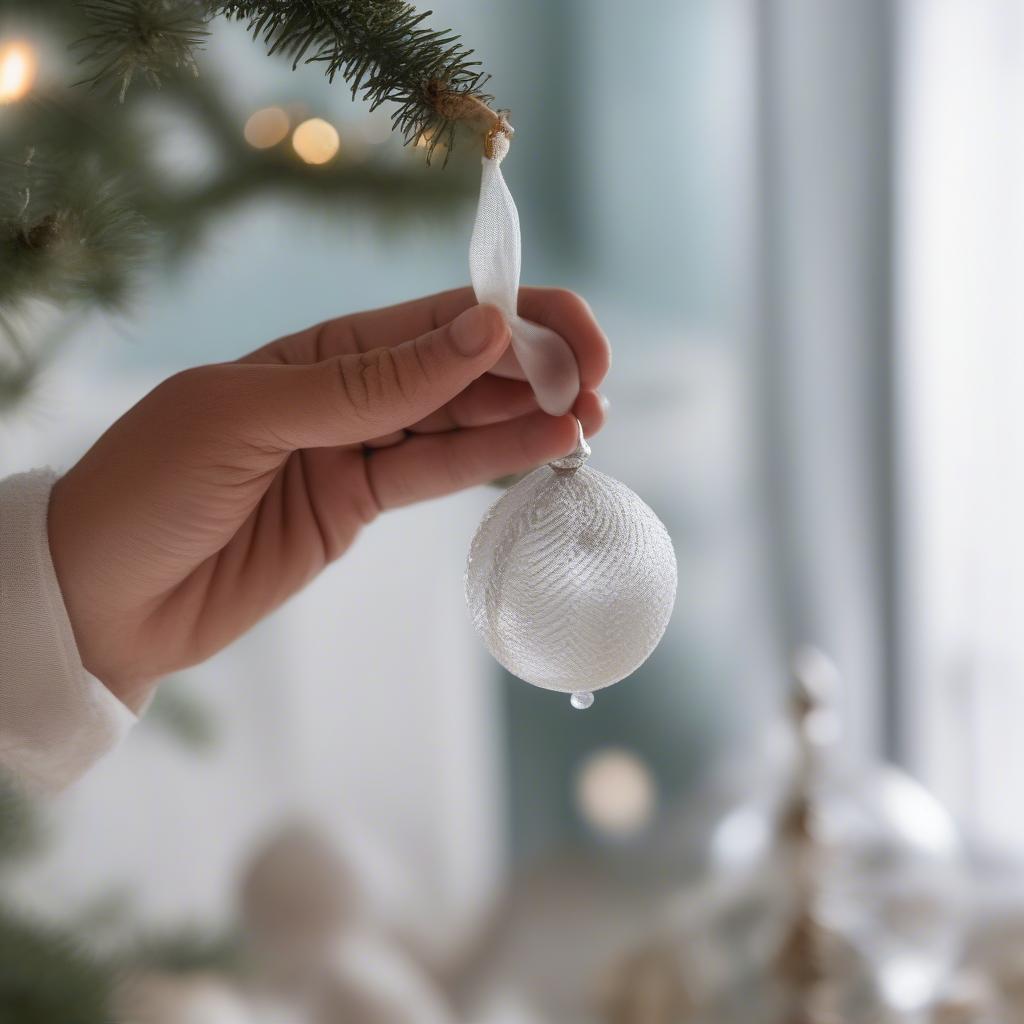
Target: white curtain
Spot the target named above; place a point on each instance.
(824, 328)
(961, 303)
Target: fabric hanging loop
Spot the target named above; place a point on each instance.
(545, 358)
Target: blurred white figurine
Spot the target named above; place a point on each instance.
(297, 896)
(315, 944)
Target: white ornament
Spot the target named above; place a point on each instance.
(571, 579)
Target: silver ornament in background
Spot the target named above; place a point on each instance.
(571, 579)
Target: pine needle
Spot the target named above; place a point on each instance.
(382, 49)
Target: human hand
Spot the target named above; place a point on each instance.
(230, 486)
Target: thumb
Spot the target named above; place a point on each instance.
(352, 398)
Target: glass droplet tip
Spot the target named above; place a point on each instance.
(581, 700)
(575, 459)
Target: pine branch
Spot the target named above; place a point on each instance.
(86, 204)
(183, 717)
(382, 49)
(19, 829)
(87, 208)
(66, 232)
(185, 951)
(45, 977)
(128, 38)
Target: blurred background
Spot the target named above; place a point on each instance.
(801, 223)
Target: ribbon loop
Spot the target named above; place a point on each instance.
(545, 358)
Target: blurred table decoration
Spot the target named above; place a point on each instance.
(839, 898)
(969, 998)
(315, 946)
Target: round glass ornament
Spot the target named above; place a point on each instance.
(571, 579)
(889, 880)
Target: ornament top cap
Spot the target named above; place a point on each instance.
(498, 139)
(575, 459)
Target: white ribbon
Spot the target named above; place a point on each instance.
(544, 357)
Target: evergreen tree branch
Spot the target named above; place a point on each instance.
(129, 38)
(46, 977)
(86, 203)
(66, 230)
(87, 207)
(383, 50)
(19, 828)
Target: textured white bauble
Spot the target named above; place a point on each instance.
(571, 579)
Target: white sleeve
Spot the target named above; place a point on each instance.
(56, 719)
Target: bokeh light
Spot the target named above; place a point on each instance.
(316, 141)
(425, 140)
(615, 792)
(267, 127)
(18, 66)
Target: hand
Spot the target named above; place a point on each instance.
(230, 486)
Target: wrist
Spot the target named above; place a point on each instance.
(104, 648)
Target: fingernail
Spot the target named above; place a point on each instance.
(475, 329)
(605, 404)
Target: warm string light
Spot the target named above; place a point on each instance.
(425, 140)
(18, 66)
(616, 793)
(267, 127)
(315, 141)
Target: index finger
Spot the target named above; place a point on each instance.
(558, 308)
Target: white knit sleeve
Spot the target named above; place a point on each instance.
(55, 718)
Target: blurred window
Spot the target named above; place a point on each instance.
(960, 273)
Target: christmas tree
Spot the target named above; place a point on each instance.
(85, 206)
